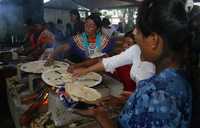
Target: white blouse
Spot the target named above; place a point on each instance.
(140, 70)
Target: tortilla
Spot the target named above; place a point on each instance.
(38, 66)
(82, 93)
(95, 55)
(59, 77)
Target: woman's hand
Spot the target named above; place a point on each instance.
(112, 101)
(50, 60)
(72, 67)
(79, 72)
(100, 115)
(126, 94)
(97, 112)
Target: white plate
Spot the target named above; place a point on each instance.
(38, 66)
(58, 77)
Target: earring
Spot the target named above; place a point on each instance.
(153, 46)
(135, 31)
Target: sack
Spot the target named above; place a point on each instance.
(60, 114)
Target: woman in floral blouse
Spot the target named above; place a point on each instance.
(164, 35)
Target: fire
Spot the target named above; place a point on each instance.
(45, 101)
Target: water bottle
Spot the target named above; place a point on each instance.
(67, 101)
(12, 40)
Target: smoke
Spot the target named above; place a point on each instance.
(11, 20)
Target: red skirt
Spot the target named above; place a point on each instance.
(123, 75)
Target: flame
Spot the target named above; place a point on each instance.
(45, 101)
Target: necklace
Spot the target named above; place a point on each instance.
(91, 48)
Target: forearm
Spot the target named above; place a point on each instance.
(105, 122)
(28, 50)
(60, 49)
(36, 53)
(96, 68)
(88, 63)
(124, 97)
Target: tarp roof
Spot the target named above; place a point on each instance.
(89, 4)
(61, 4)
(103, 4)
(92, 4)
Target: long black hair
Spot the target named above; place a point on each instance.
(169, 19)
(180, 31)
(194, 23)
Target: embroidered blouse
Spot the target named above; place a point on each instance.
(77, 46)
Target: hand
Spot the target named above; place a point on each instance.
(111, 102)
(100, 115)
(79, 72)
(97, 112)
(49, 62)
(20, 50)
(75, 66)
(71, 68)
(126, 94)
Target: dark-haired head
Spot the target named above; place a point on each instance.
(74, 15)
(29, 22)
(40, 26)
(59, 21)
(163, 32)
(129, 40)
(105, 22)
(92, 24)
(194, 23)
(96, 19)
(130, 35)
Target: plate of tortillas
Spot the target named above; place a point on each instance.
(60, 77)
(39, 66)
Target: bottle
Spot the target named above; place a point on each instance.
(12, 39)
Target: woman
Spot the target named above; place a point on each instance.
(123, 73)
(83, 46)
(126, 42)
(78, 24)
(106, 29)
(45, 41)
(164, 100)
(46, 38)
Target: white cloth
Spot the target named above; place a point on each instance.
(140, 70)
